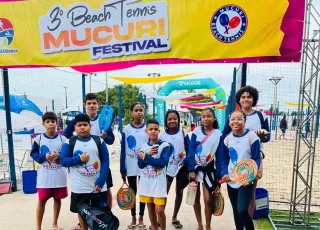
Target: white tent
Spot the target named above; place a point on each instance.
(31, 115)
(19, 123)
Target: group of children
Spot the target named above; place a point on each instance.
(150, 160)
(85, 155)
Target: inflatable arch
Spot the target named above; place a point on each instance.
(201, 83)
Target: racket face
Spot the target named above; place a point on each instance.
(126, 198)
(218, 206)
(106, 117)
(245, 171)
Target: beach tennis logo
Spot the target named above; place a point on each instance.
(6, 36)
(89, 168)
(229, 23)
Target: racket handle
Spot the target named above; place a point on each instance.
(221, 181)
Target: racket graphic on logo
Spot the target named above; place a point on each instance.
(234, 22)
(224, 21)
(244, 172)
(132, 143)
(44, 150)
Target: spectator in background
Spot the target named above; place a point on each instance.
(59, 122)
(283, 126)
(308, 131)
(294, 123)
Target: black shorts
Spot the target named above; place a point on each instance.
(76, 198)
(109, 180)
(169, 178)
(182, 176)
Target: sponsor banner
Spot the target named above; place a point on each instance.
(133, 32)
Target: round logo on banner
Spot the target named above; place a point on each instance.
(229, 23)
(6, 33)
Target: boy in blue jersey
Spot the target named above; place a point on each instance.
(153, 159)
(89, 166)
(91, 104)
(51, 177)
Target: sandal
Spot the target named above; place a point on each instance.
(56, 228)
(177, 224)
(142, 227)
(150, 227)
(131, 226)
(77, 227)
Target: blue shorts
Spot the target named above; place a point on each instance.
(283, 131)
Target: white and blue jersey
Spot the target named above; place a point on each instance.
(50, 173)
(237, 148)
(253, 123)
(153, 181)
(178, 150)
(202, 155)
(95, 130)
(132, 140)
(84, 176)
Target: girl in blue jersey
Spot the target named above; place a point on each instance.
(177, 167)
(247, 98)
(206, 150)
(133, 137)
(240, 144)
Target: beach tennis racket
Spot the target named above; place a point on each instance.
(218, 205)
(106, 118)
(126, 198)
(244, 172)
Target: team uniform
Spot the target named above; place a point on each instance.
(95, 130)
(153, 184)
(51, 176)
(254, 121)
(84, 176)
(179, 142)
(207, 154)
(237, 148)
(132, 140)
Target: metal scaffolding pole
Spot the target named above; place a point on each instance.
(303, 164)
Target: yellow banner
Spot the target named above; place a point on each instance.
(148, 80)
(296, 104)
(75, 33)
